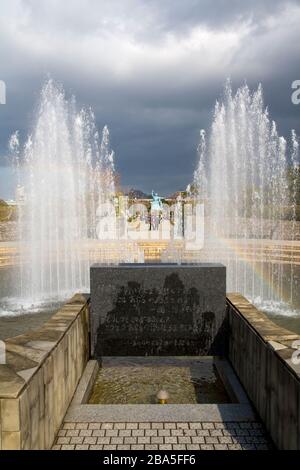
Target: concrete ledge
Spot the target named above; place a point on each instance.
(160, 413)
(40, 376)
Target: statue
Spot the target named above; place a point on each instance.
(156, 204)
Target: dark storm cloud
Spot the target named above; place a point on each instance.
(151, 70)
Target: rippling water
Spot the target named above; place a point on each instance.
(137, 380)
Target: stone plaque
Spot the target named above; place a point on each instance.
(158, 309)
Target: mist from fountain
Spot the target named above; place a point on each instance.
(246, 175)
(65, 172)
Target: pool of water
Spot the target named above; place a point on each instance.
(15, 321)
(290, 322)
(137, 380)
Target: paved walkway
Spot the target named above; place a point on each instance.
(162, 436)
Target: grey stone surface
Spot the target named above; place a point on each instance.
(158, 309)
(160, 413)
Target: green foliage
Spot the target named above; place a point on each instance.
(7, 213)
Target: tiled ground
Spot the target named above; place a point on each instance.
(162, 436)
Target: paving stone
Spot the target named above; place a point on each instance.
(63, 440)
(195, 426)
(125, 433)
(177, 432)
(85, 432)
(242, 432)
(219, 426)
(208, 426)
(144, 425)
(81, 426)
(211, 440)
(76, 440)
(198, 440)
(216, 432)
(256, 432)
(225, 440)
(184, 440)
(248, 447)
(157, 440)
(94, 425)
(157, 425)
(138, 432)
(189, 432)
(151, 432)
(162, 436)
(239, 440)
(69, 426)
(170, 425)
(202, 432)
(227, 432)
(90, 440)
(98, 432)
(253, 439)
(131, 426)
(72, 433)
(143, 440)
(246, 425)
(112, 433)
(164, 432)
(182, 426)
(130, 440)
(107, 426)
(119, 425)
(232, 426)
(171, 440)
(103, 440)
(234, 447)
(117, 440)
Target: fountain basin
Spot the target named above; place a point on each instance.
(141, 380)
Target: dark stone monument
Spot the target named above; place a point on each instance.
(158, 309)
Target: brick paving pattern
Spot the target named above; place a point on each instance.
(162, 436)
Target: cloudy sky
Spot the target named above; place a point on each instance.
(151, 70)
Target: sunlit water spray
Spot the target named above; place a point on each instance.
(66, 171)
(247, 176)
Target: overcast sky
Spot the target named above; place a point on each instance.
(150, 69)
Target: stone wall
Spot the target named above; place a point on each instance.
(261, 354)
(40, 375)
(157, 310)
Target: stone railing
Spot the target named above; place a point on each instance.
(39, 376)
(261, 354)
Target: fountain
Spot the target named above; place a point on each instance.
(247, 177)
(66, 172)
